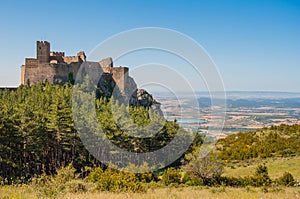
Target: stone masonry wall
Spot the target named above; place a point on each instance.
(41, 73)
(120, 76)
(54, 67)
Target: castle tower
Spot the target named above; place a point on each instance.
(43, 51)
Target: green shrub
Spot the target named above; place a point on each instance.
(287, 179)
(258, 181)
(231, 181)
(142, 172)
(185, 178)
(95, 175)
(115, 181)
(171, 176)
(261, 177)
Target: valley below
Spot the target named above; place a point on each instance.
(245, 111)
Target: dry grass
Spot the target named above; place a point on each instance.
(197, 193)
(276, 167)
(17, 192)
(168, 193)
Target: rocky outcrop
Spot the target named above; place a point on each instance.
(140, 97)
(132, 95)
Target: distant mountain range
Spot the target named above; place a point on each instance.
(235, 94)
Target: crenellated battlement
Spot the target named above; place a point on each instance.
(43, 42)
(57, 54)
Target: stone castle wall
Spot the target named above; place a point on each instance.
(31, 62)
(120, 75)
(55, 67)
(39, 73)
(62, 71)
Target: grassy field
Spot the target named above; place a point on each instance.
(276, 167)
(167, 193)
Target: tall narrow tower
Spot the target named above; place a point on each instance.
(43, 51)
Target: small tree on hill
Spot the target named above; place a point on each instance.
(206, 169)
(286, 179)
(261, 177)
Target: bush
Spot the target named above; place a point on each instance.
(53, 186)
(207, 169)
(171, 176)
(287, 179)
(261, 177)
(95, 175)
(142, 172)
(186, 179)
(259, 181)
(76, 186)
(45, 187)
(115, 181)
(65, 174)
(231, 181)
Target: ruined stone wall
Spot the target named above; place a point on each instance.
(106, 64)
(60, 54)
(62, 71)
(70, 59)
(81, 55)
(120, 76)
(56, 59)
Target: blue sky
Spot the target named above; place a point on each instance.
(255, 44)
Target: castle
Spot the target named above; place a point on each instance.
(55, 67)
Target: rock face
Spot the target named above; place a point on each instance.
(140, 97)
(107, 86)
